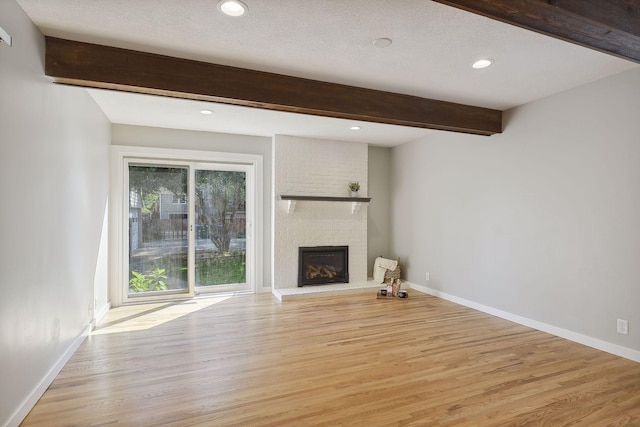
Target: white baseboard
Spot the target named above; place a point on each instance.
(596, 343)
(23, 410)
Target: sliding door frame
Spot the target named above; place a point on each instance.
(119, 211)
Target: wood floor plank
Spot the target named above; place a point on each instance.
(352, 361)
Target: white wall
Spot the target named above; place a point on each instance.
(54, 152)
(314, 167)
(207, 141)
(379, 222)
(542, 221)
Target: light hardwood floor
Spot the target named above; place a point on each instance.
(350, 361)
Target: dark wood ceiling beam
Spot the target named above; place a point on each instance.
(607, 26)
(97, 66)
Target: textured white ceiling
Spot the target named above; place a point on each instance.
(331, 40)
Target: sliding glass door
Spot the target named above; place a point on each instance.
(188, 229)
(158, 229)
(221, 229)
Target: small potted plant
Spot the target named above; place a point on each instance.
(354, 187)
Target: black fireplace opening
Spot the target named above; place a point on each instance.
(321, 265)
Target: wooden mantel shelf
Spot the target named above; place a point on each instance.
(327, 198)
(356, 202)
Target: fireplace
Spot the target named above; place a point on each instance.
(321, 265)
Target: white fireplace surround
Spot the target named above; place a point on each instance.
(313, 167)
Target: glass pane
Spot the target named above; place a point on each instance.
(158, 229)
(220, 207)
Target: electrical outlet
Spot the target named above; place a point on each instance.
(427, 276)
(623, 327)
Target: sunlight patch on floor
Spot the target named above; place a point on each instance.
(145, 316)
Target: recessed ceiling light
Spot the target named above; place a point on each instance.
(232, 7)
(355, 128)
(382, 42)
(482, 63)
(206, 112)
